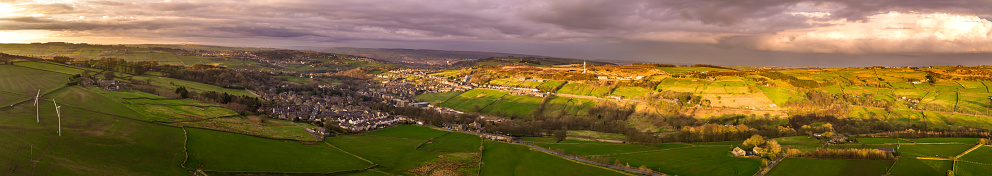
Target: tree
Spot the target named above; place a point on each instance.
(559, 135)
(754, 141)
(772, 149)
(828, 135)
(109, 75)
(183, 93)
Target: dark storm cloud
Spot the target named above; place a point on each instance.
(725, 24)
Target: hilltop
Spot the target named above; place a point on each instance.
(421, 56)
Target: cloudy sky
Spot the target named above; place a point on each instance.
(724, 32)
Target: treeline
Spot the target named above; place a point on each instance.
(853, 153)
(9, 59)
(712, 66)
(819, 103)
(910, 133)
(802, 83)
(714, 132)
(118, 65)
(222, 77)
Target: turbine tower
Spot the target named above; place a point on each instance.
(583, 66)
(57, 107)
(37, 117)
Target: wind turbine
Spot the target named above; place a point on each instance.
(36, 110)
(57, 107)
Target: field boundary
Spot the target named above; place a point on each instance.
(968, 151)
(431, 140)
(581, 161)
(349, 153)
(185, 148)
(646, 151)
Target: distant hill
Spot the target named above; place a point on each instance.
(421, 56)
(523, 61)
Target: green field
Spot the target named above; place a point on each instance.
(630, 92)
(700, 160)
(454, 142)
(980, 155)
(157, 108)
(972, 169)
(473, 100)
(910, 166)
(25, 82)
(89, 98)
(597, 135)
(933, 150)
(584, 89)
(227, 152)
(90, 144)
(514, 159)
(170, 84)
(398, 155)
(881, 140)
(606, 148)
(560, 106)
(55, 67)
(513, 106)
(829, 167)
(944, 140)
(437, 98)
(552, 140)
(409, 131)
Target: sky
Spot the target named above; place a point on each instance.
(831, 33)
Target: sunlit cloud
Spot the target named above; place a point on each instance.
(892, 32)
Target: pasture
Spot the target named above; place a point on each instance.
(910, 166)
(56, 67)
(454, 142)
(575, 88)
(156, 108)
(933, 150)
(409, 131)
(631, 92)
(515, 159)
(559, 106)
(91, 143)
(972, 169)
(585, 149)
(829, 167)
(513, 106)
(979, 155)
(399, 155)
(705, 160)
(437, 98)
(473, 100)
(256, 126)
(170, 84)
(26, 82)
(227, 152)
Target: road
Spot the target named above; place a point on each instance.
(590, 162)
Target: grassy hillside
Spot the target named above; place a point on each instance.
(91, 143)
(213, 151)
